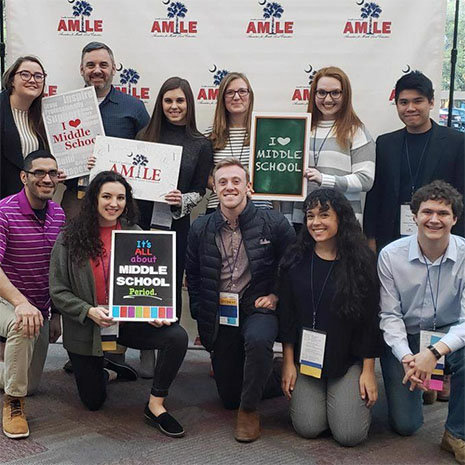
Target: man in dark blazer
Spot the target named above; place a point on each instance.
(408, 159)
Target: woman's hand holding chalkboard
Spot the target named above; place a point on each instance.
(312, 174)
(99, 315)
(160, 323)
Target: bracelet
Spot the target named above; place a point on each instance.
(435, 352)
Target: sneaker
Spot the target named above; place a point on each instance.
(147, 364)
(165, 423)
(14, 419)
(122, 370)
(455, 445)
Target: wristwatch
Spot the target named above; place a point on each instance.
(435, 352)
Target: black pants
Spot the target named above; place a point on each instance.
(242, 361)
(91, 379)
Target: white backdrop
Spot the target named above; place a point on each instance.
(217, 35)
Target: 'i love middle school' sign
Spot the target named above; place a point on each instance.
(279, 155)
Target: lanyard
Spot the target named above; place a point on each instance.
(232, 265)
(428, 278)
(315, 307)
(413, 180)
(242, 147)
(316, 155)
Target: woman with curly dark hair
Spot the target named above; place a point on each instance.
(79, 288)
(329, 307)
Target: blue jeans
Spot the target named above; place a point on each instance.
(406, 407)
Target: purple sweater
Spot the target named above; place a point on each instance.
(26, 244)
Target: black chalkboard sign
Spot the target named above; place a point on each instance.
(143, 270)
(278, 155)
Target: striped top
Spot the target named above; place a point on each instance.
(235, 148)
(28, 138)
(349, 170)
(26, 244)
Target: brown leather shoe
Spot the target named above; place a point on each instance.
(429, 397)
(247, 426)
(443, 395)
(455, 445)
(14, 419)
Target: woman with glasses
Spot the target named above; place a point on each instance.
(230, 133)
(21, 127)
(342, 152)
(329, 301)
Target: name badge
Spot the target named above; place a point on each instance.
(109, 336)
(437, 376)
(312, 352)
(229, 309)
(407, 223)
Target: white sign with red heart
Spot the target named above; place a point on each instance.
(72, 123)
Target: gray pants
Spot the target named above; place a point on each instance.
(22, 368)
(335, 403)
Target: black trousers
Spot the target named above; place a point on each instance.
(171, 341)
(242, 361)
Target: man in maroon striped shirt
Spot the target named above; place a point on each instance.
(29, 225)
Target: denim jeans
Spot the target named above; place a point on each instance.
(242, 361)
(406, 407)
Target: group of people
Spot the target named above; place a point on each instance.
(323, 293)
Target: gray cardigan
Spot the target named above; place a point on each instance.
(72, 289)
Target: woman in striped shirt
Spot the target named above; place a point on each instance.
(21, 126)
(342, 152)
(230, 134)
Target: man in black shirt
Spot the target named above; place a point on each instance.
(408, 159)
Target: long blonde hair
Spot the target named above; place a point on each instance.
(220, 130)
(347, 122)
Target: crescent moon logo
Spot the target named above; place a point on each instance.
(310, 69)
(406, 70)
(120, 67)
(213, 70)
(262, 3)
(166, 3)
(70, 1)
(360, 3)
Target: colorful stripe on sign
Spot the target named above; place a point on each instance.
(142, 312)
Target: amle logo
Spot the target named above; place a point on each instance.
(80, 23)
(174, 24)
(368, 26)
(50, 90)
(301, 94)
(209, 94)
(129, 79)
(271, 25)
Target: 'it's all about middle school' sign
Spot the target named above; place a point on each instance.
(143, 271)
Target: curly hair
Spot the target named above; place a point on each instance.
(355, 270)
(81, 235)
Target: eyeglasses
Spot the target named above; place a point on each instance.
(40, 174)
(242, 92)
(26, 76)
(335, 94)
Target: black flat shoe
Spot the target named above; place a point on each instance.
(122, 370)
(165, 423)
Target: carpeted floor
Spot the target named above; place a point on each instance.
(64, 433)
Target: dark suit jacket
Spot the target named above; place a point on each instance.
(11, 155)
(444, 159)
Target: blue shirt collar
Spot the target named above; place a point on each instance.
(414, 252)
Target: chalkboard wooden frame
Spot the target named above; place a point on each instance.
(276, 167)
